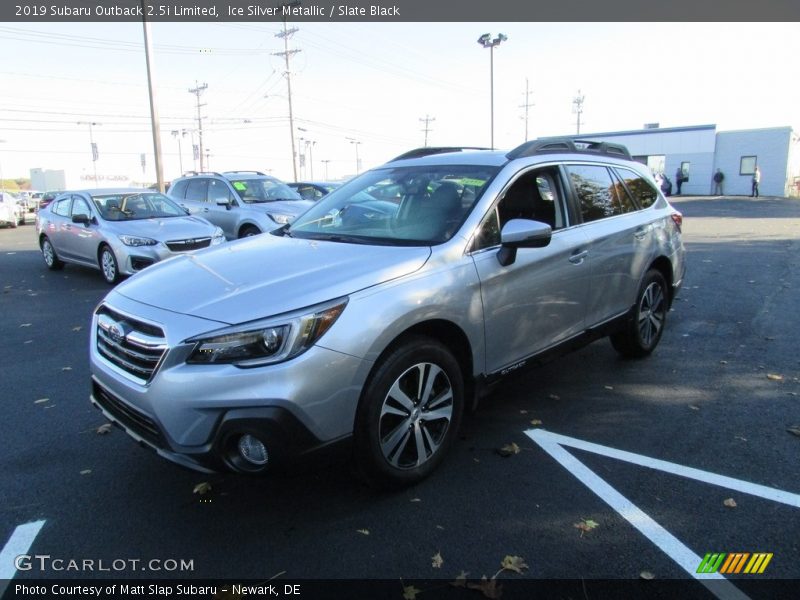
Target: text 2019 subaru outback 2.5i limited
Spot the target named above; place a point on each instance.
(382, 312)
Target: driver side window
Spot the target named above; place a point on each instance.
(534, 196)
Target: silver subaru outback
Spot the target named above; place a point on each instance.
(382, 313)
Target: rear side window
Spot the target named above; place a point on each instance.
(642, 190)
(61, 207)
(178, 190)
(600, 196)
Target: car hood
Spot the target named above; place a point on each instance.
(267, 275)
(166, 229)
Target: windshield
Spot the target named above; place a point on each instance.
(263, 190)
(133, 206)
(402, 206)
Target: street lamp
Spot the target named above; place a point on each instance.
(95, 153)
(358, 162)
(487, 42)
(177, 134)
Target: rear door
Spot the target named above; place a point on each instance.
(619, 238)
(60, 224)
(196, 199)
(225, 216)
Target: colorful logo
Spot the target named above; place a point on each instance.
(734, 562)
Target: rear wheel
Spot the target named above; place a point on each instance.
(108, 265)
(50, 257)
(643, 332)
(409, 413)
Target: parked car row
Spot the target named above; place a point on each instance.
(12, 213)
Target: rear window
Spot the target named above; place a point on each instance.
(642, 190)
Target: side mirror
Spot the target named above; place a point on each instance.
(225, 203)
(522, 233)
(83, 219)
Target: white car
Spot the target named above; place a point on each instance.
(11, 213)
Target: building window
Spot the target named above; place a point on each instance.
(747, 165)
(685, 170)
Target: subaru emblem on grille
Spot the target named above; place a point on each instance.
(116, 332)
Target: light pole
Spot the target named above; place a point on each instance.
(487, 42)
(177, 135)
(93, 146)
(358, 161)
(325, 162)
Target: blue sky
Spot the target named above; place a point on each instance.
(371, 83)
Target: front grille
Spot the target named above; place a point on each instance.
(189, 245)
(133, 346)
(133, 419)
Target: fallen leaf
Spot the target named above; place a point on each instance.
(410, 592)
(523, 412)
(363, 531)
(460, 580)
(738, 437)
(609, 387)
(437, 561)
(77, 328)
(488, 587)
(723, 362)
(25, 325)
(440, 527)
(647, 575)
(730, 503)
(795, 429)
(41, 400)
(66, 368)
(415, 500)
(554, 397)
(536, 422)
(509, 450)
(514, 563)
(774, 377)
(86, 471)
(693, 407)
(202, 488)
(104, 429)
(586, 525)
(28, 342)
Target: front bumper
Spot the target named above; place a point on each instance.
(194, 414)
(132, 259)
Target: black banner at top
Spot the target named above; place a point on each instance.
(397, 10)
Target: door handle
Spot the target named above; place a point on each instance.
(640, 234)
(205, 210)
(577, 257)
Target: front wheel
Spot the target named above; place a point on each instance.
(248, 231)
(108, 265)
(409, 413)
(643, 332)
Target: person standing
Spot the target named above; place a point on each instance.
(718, 177)
(678, 180)
(756, 181)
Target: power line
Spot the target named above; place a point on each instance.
(286, 54)
(526, 105)
(197, 90)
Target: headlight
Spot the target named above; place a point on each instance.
(280, 218)
(132, 240)
(266, 342)
(218, 236)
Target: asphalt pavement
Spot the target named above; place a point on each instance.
(717, 398)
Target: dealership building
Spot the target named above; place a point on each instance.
(700, 150)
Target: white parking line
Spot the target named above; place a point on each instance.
(689, 561)
(19, 543)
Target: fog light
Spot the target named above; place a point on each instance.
(253, 450)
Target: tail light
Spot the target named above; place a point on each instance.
(677, 218)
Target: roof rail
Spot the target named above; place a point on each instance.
(194, 173)
(428, 151)
(251, 172)
(554, 145)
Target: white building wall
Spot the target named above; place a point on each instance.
(47, 180)
(770, 146)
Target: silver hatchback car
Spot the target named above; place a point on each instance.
(386, 309)
(119, 231)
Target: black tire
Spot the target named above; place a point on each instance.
(643, 332)
(249, 231)
(395, 444)
(108, 264)
(50, 257)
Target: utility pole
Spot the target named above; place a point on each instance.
(286, 34)
(325, 162)
(577, 108)
(154, 120)
(427, 120)
(526, 105)
(356, 143)
(197, 90)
